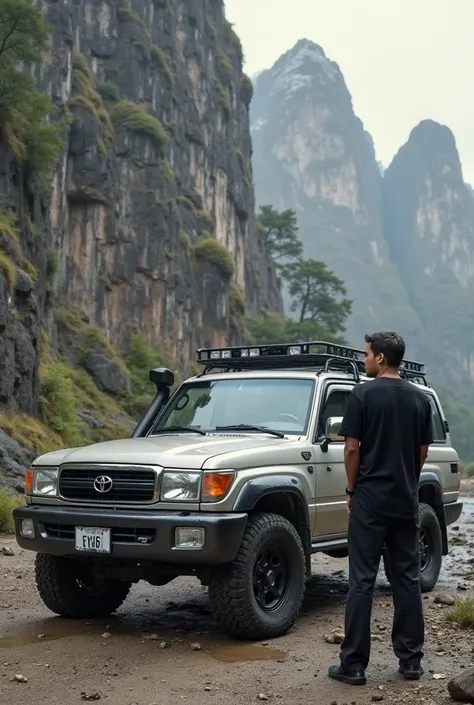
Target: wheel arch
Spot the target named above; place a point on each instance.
(283, 495)
(430, 492)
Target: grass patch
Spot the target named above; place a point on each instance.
(135, 118)
(462, 613)
(237, 298)
(224, 64)
(211, 29)
(211, 251)
(8, 226)
(87, 336)
(224, 99)
(109, 91)
(246, 89)
(8, 269)
(159, 56)
(8, 502)
(141, 357)
(30, 269)
(30, 432)
(169, 172)
(86, 96)
(66, 389)
(184, 240)
(237, 306)
(205, 220)
(57, 404)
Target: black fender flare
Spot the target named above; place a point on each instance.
(427, 480)
(259, 487)
(266, 485)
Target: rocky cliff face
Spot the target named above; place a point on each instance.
(150, 224)
(429, 226)
(312, 154)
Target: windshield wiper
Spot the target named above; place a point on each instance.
(188, 429)
(248, 427)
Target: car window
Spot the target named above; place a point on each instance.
(334, 405)
(280, 404)
(439, 431)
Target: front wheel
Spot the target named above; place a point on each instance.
(259, 595)
(73, 589)
(430, 549)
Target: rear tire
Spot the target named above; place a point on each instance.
(69, 588)
(431, 549)
(259, 595)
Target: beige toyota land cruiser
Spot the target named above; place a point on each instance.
(236, 478)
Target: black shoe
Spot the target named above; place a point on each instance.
(411, 671)
(351, 676)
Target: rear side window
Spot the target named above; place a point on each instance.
(439, 432)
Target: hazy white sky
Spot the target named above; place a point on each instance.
(403, 60)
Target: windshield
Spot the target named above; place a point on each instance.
(279, 404)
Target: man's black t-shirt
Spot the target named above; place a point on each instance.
(392, 419)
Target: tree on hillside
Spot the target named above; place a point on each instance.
(318, 295)
(23, 109)
(280, 234)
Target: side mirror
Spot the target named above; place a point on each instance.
(333, 427)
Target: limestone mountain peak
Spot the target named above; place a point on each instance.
(303, 64)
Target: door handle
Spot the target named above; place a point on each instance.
(329, 468)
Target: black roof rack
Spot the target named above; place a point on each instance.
(317, 354)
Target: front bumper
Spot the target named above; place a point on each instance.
(55, 533)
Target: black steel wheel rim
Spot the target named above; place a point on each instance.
(424, 549)
(270, 577)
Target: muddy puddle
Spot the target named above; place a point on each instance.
(45, 630)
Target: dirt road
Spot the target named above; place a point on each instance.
(162, 646)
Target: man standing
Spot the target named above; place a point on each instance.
(387, 429)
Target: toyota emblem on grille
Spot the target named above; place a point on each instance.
(103, 484)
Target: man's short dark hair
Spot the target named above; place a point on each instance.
(390, 344)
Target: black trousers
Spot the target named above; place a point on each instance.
(368, 532)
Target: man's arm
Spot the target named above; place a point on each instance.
(351, 428)
(427, 433)
(351, 461)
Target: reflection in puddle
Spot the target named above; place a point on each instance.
(230, 653)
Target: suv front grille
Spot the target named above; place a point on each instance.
(119, 534)
(107, 483)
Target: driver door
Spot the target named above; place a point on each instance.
(331, 502)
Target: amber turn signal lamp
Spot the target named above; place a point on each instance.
(28, 484)
(215, 485)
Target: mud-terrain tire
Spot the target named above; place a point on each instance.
(431, 549)
(60, 587)
(259, 594)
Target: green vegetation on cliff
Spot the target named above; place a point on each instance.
(211, 251)
(24, 111)
(8, 502)
(8, 269)
(86, 96)
(135, 118)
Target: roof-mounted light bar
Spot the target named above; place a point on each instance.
(310, 353)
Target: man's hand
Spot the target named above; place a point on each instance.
(349, 504)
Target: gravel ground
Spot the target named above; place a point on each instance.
(162, 647)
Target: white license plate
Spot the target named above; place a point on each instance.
(92, 540)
